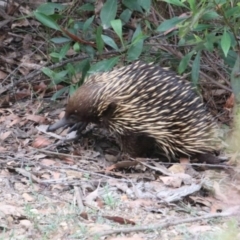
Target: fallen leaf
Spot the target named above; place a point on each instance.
(120, 220)
(41, 142)
(202, 201)
(2, 75)
(172, 181)
(55, 175)
(25, 223)
(73, 174)
(27, 197)
(5, 135)
(176, 168)
(36, 118)
(48, 162)
(11, 210)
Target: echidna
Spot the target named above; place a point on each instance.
(146, 107)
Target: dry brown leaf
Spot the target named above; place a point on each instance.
(2, 149)
(203, 201)
(140, 203)
(15, 121)
(218, 192)
(120, 220)
(84, 215)
(48, 162)
(69, 160)
(36, 118)
(91, 197)
(56, 175)
(2, 75)
(73, 174)
(11, 210)
(176, 168)
(5, 135)
(99, 202)
(172, 181)
(28, 197)
(25, 223)
(41, 142)
(21, 23)
(46, 176)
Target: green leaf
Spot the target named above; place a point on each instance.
(202, 27)
(176, 2)
(76, 47)
(86, 7)
(125, 15)
(230, 59)
(136, 47)
(170, 23)
(235, 79)
(60, 76)
(50, 8)
(103, 66)
(184, 62)
(132, 5)
(232, 12)
(55, 55)
(196, 69)
(82, 67)
(99, 40)
(60, 40)
(46, 20)
(64, 50)
(71, 69)
(210, 15)
(59, 93)
(108, 13)
(47, 71)
(117, 27)
(72, 89)
(137, 35)
(145, 4)
(88, 23)
(225, 42)
(192, 4)
(109, 41)
(135, 50)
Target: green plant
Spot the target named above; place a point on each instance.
(128, 30)
(87, 37)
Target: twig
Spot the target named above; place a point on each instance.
(170, 222)
(78, 194)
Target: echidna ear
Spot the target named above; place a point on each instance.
(108, 112)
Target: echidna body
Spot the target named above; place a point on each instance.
(144, 104)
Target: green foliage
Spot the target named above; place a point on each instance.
(195, 26)
(210, 26)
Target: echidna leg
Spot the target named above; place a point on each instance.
(208, 158)
(137, 145)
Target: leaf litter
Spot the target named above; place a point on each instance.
(41, 172)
